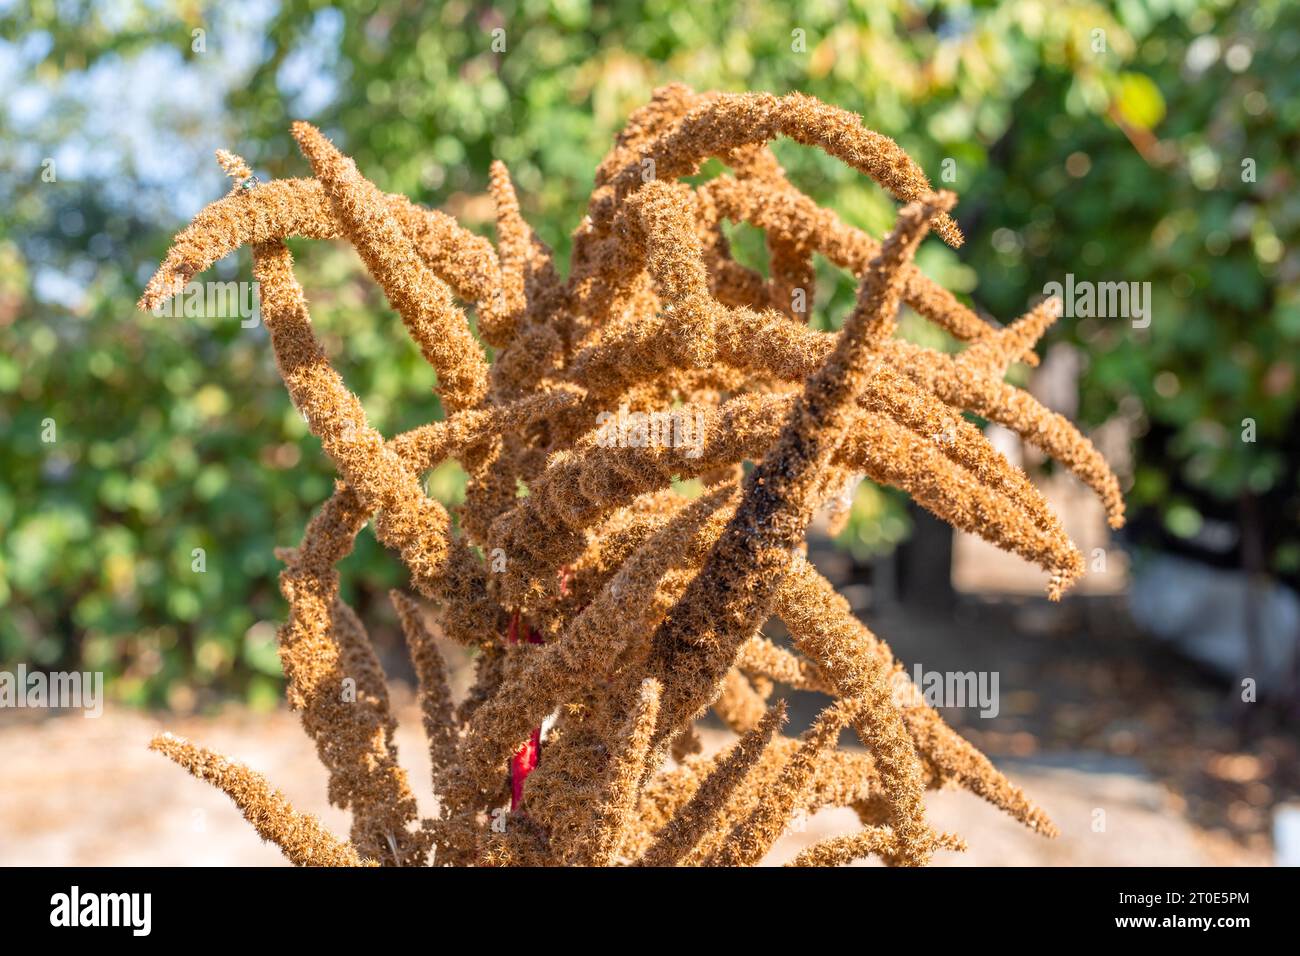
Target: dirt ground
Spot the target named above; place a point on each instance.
(82, 791)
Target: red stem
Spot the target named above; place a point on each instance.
(528, 756)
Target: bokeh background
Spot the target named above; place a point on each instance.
(1136, 141)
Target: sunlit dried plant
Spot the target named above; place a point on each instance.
(602, 604)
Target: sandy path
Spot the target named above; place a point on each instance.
(79, 791)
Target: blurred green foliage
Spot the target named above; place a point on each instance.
(1203, 206)
(1104, 140)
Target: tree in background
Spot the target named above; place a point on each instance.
(1119, 133)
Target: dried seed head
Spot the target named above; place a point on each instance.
(608, 610)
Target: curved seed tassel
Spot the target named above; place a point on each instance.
(420, 297)
(434, 695)
(614, 816)
(750, 840)
(298, 835)
(852, 658)
(697, 817)
(837, 851)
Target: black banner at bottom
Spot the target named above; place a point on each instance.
(366, 907)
